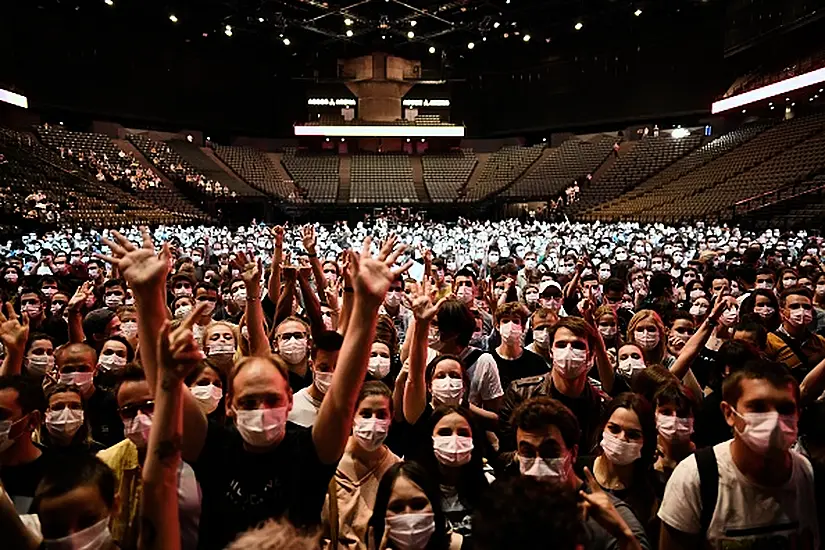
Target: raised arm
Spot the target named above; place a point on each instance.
(694, 345)
(371, 279)
(14, 335)
(415, 391)
(312, 306)
(274, 286)
(606, 374)
(283, 308)
(346, 300)
(813, 384)
(250, 271)
(75, 308)
(309, 240)
(146, 273)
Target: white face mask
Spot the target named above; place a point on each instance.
(379, 367)
(629, 365)
(239, 297)
(465, 294)
(764, 311)
(261, 427)
(208, 309)
(698, 311)
(531, 297)
(392, 299)
(530, 264)
(674, 428)
(800, 317)
(493, 258)
(767, 431)
(553, 470)
(453, 450)
(92, 538)
(541, 338)
(370, 433)
(113, 300)
(322, 381)
(182, 292)
(410, 531)
(81, 380)
(433, 337)
(39, 365)
(63, 424)
(510, 332)
(570, 362)
(763, 285)
(608, 332)
(220, 348)
(729, 317)
(646, 340)
(293, 351)
(619, 451)
(129, 329)
(182, 311)
(111, 363)
(207, 396)
(448, 391)
(137, 430)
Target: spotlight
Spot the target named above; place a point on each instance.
(637, 13)
(413, 23)
(261, 20)
(228, 31)
(349, 32)
(383, 37)
(679, 133)
(343, 139)
(484, 39)
(327, 139)
(410, 34)
(506, 35)
(507, 2)
(432, 49)
(496, 25)
(578, 26)
(287, 42)
(526, 38)
(347, 21)
(173, 18)
(408, 140)
(744, 111)
(470, 46)
(109, 2)
(544, 140)
(772, 107)
(189, 138)
(208, 138)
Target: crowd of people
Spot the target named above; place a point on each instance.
(413, 385)
(125, 171)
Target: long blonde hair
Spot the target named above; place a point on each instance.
(657, 354)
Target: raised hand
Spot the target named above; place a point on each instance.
(332, 296)
(250, 270)
(304, 269)
(423, 309)
(598, 506)
(80, 297)
(278, 235)
(13, 333)
(178, 352)
(371, 277)
(141, 267)
(720, 304)
(308, 239)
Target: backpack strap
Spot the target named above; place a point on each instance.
(796, 348)
(472, 356)
(708, 485)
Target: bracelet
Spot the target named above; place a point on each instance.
(348, 289)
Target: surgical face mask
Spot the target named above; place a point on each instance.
(646, 340)
(220, 348)
(554, 470)
(57, 308)
(510, 332)
(393, 298)
(621, 256)
(448, 391)
(31, 310)
(322, 381)
(93, 273)
(63, 424)
(92, 538)
(370, 433)
(764, 311)
(608, 332)
(239, 297)
(618, 451)
(113, 300)
(729, 317)
(553, 304)
(674, 428)
(137, 430)
(453, 450)
(433, 337)
(764, 285)
(210, 307)
(767, 431)
(182, 291)
(604, 274)
(11, 278)
(492, 258)
(182, 311)
(465, 294)
(698, 311)
(129, 329)
(541, 338)
(820, 290)
(570, 362)
(530, 264)
(293, 350)
(800, 317)
(111, 363)
(629, 365)
(410, 531)
(261, 427)
(531, 297)
(48, 292)
(207, 397)
(82, 380)
(39, 365)
(379, 367)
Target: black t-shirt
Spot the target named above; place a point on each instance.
(101, 410)
(588, 409)
(529, 364)
(710, 427)
(298, 382)
(241, 489)
(21, 481)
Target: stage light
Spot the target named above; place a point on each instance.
(496, 25)
(383, 37)
(410, 34)
(507, 2)
(423, 140)
(820, 90)
(744, 111)
(261, 20)
(228, 31)
(349, 32)
(413, 23)
(526, 38)
(470, 46)
(343, 139)
(408, 140)
(347, 21)
(544, 140)
(327, 139)
(173, 18)
(637, 13)
(506, 35)
(578, 26)
(484, 39)
(189, 138)
(287, 42)
(208, 138)
(432, 49)
(109, 2)
(772, 107)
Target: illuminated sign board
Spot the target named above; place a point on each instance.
(7, 96)
(380, 131)
(777, 88)
(426, 103)
(330, 102)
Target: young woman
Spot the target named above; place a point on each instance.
(674, 422)
(207, 383)
(219, 342)
(624, 464)
(647, 331)
(39, 355)
(763, 306)
(699, 308)
(380, 361)
(629, 361)
(608, 325)
(365, 460)
(407, 513)
(788, 277)
(66, 428)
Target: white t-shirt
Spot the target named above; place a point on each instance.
(747, 515)
(304, 408)
(485, 383)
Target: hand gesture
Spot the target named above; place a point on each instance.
(178, 352)
(720, 304)
(331, 294)
(278, 235)
(141, 267)
(304, 270)
(371, 277)
(80, 297)
(598, 506)
(423, 309)
(13, 334)
(250, 270)
(308, 239)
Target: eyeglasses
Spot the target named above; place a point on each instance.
(292, 335)
(127, 412)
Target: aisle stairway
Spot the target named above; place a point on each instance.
(206, 165)
(418, 179)
(344, 175)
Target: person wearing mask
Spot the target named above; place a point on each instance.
(607, 323)
(819, 301)
(647, 331)
(674, 407)
(765, 279)
(128, 324)
(793, 343)
(33, 304)
(114, 293)
(208, 294)
(67, 432)
(291, 343)
(98, 326)
(573, 344)
(391, 307)
(629, 361)
(407, 513)
(513, 360)
(531, 297)
(181, 306)
(76, 367)
(548, 442)
(206, 383)
(307, 401)
(182, 284)
(95, 271)
(681, 326)
(764, 306)
(465, 289)
(788, 278)
(22, 463)
(39, 356)
(234, 301)
(136, 407)
(360, 470)
(756, 466)
(219, 342)
(550, 297)
(540, 323)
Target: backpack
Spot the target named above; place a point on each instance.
(708, 485)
